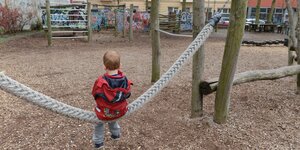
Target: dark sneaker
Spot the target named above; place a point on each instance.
(99, 146)
(115, 137)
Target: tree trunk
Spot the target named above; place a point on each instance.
(49, 31)
(183, 5)
(89, 28)
(198, 59)
(233, 43)
(147, 5)
(270, 15)
(298, 46)
(155, 40)
(292, 31)
(130, 23)
(257, 12)
(124, 22)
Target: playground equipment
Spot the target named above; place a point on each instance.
(209, 86)
(234, 39)
(11, 86)
(115, 17)
(108, 16)
(63, 19)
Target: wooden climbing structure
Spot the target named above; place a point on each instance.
(67, 20)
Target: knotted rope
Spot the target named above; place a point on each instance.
(11, 86)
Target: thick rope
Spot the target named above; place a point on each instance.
(172, 34)
(11, 86)
(165, 78)
(15, 88)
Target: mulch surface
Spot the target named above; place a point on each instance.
(263, 114)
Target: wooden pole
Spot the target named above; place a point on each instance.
(198, 59)
(155, 40)
(207, 11)
(124, 22)
(49, 33)
(292, 32)
(147, 5)
(233, 43)
(116, 22)
(130, 23)
(183, 5)
(270, 15)
(298, 46)
(257, 11)
(89, 28)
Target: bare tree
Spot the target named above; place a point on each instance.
(183, 5)
(147, 5)
(257, 12)
(232, 47)
(155, 40)
(198, 59)
(292, 31)
(298, 46)
(270, 15)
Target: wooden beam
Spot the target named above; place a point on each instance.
(210, 86)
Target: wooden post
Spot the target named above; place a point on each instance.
(89, 28)
(292, 32)
(257, 12)
(230, 57)
(155, 40)
(124, 22)
(147, 5)
(198, 59)
(183, 5)
(298, 46)
(270, 15)
(290, 52)
(116, 23)
(49, 33)
(130, 23)
(207, 11)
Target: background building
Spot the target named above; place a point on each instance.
(279, 15)
(166, 6)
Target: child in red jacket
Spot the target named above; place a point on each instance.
(110, 91)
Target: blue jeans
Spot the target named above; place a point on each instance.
(99, 133)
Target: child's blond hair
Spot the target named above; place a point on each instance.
(111, 60)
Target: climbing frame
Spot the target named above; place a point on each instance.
(67, 20)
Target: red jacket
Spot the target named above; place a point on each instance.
(111, 93)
